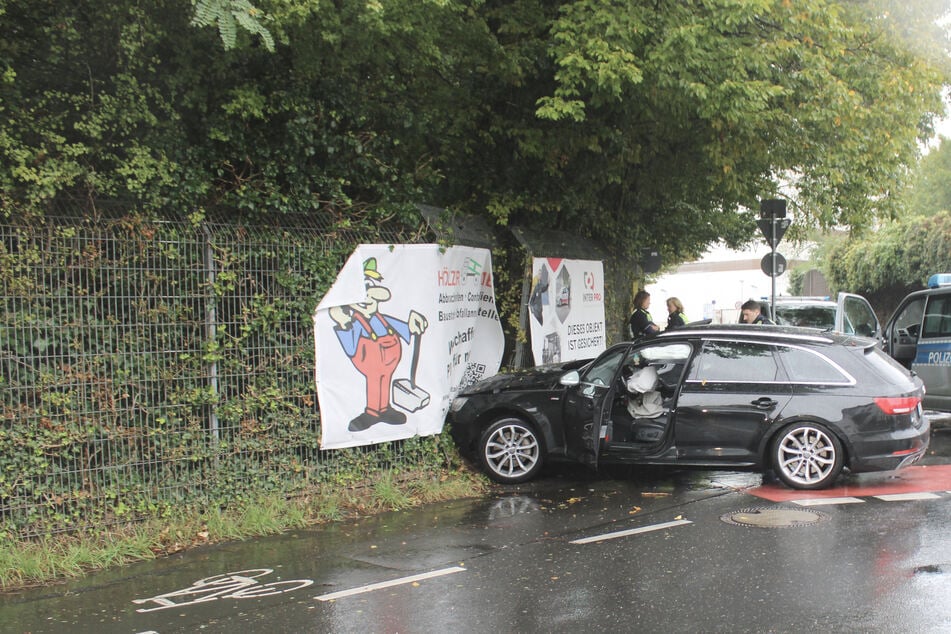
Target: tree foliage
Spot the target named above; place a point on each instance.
(889, 263)
(229, 16)
(724, 101)
(931, 187)
(635, 123)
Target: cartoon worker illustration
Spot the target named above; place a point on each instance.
(372, 341)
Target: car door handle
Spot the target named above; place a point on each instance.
(764, 403)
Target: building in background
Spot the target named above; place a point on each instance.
(715, 287)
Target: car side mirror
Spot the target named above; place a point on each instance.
(570, 379)
(902, 332)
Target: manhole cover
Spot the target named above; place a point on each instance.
(773, 517)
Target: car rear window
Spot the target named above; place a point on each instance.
(808, 366)
(887, 368)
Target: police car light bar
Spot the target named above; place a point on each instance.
(939, 279)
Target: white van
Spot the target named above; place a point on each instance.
(851, 314)
(918, 335)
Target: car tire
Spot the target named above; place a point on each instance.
(510, 451)
(807, 456)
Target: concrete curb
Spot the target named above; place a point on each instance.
(939, 420)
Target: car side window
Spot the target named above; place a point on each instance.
(937, 322)
(603, 370)
(736, 362)
(807, 366)
(859, 318)
(909, 318)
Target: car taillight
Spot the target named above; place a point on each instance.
(898, 404)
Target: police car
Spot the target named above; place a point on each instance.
(918, 335)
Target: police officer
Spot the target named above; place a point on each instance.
(751, 312)
(675, 314)
(641, 324)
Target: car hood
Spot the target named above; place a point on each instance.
(540, 377)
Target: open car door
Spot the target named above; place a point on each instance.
(903, 329)
(854, 316)
(587, 404)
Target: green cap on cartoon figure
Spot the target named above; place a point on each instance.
(369, 269)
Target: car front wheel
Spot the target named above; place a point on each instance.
(510, 451)
(807, 456)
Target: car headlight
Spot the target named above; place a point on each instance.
(458, 403)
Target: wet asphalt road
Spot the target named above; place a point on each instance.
(642, 551)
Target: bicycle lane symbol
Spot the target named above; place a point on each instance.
(231, 585)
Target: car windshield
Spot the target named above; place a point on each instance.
(806, 316)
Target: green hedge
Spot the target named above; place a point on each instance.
(120, 401)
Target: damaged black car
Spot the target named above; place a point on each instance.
(802, 403)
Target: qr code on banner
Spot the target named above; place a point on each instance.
(474, 372)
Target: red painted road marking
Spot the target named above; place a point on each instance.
(916, 479)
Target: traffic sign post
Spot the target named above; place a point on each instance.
(773, 264)
(773, 229)
(775, 208)
(773, 224)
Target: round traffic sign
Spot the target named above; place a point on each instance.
(766, 264)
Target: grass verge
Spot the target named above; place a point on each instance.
(26, 564)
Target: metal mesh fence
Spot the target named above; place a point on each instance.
(146, 365)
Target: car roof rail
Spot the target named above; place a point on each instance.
(751, 331)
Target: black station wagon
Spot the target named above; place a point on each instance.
(801, 402)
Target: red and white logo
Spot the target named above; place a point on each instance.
(589, 280)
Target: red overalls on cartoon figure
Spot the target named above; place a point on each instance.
(376, 358)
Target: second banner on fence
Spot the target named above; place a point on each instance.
(567, 309)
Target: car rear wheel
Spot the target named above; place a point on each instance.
(807, 456)
(510, 451)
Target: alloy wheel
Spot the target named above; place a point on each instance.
(807, 457)
(511, 451)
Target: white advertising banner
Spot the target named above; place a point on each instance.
(400, 332)
(567, 310)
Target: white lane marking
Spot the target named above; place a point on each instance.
(821, 501)
(900, 497)
(633, 531)
(388, 584)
